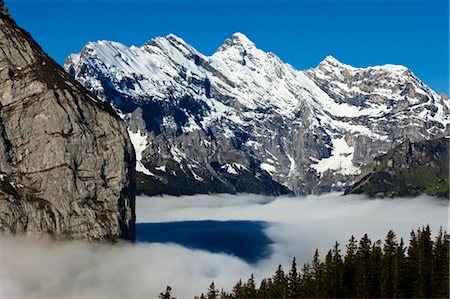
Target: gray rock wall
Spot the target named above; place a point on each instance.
(66, 162)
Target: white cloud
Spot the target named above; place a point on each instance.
(42, 269)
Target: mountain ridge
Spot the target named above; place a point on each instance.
(305, 129)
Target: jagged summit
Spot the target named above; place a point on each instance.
(238, 40)
(241, 39)
(174, 37)
(331, 60)
(169, 41)
(393, 68)
(330, 63)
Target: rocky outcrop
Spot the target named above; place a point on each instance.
(66, 161)
(242, 115)
(407, 170)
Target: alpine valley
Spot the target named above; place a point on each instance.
(242, 120)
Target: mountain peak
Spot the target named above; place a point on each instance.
(177, 39)
(392, 68)
(330, 60)
(238, 40)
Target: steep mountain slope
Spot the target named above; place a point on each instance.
(408, 169)
(242, 112)
(66, 161)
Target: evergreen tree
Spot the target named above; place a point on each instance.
(280, 285)
(167, 294)
(225, 295)
(238, 290)
(264, 289)
(306, 283)
(412, 266)
(293, 283)
(420, 263)
(389, 279)
(337, 271)
(327, 285)
(426, 246)
(441, 250)
(333, 273)
(317, 269)
(250, 288)
(212, 292)
(349, 274)
(375, 270)
(363, 267)
(401, 281)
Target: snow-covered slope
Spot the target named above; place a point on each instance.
(242, 120)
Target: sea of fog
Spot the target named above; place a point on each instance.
(187, 242)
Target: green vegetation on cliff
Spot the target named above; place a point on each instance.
(407, 170)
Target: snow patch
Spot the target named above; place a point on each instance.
(206, 143)
(140, 143)
(340, 159)
(161, 168)
(268, 167)
(239, 166)
(177, 154)
(292, 167)
(230, 169)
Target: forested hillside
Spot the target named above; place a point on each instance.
(366, 269)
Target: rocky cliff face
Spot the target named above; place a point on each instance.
(66, 161)
(242, 119)
(407, 170)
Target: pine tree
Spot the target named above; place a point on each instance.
(440, 283)
(317, 268)
(224, 295)
(264, 289)
(375, 270)
(349, 275)
(401, 281)
(412, 266)
(306, 283)
(389, 267)
(363, 267)
(280, 285)
(293, 283)
(238, 290)
(250, 288)
(212, 292)
(420, 263)
(426, 245)
(333, 273)
(167, 294)
(338, 267)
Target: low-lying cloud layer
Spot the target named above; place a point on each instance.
(296, 226)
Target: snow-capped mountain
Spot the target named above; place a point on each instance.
(242, 120)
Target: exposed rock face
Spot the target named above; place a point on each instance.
(66, 161)
(408, 169)
(208, 122)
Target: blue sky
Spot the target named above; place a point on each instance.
(413, 33)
